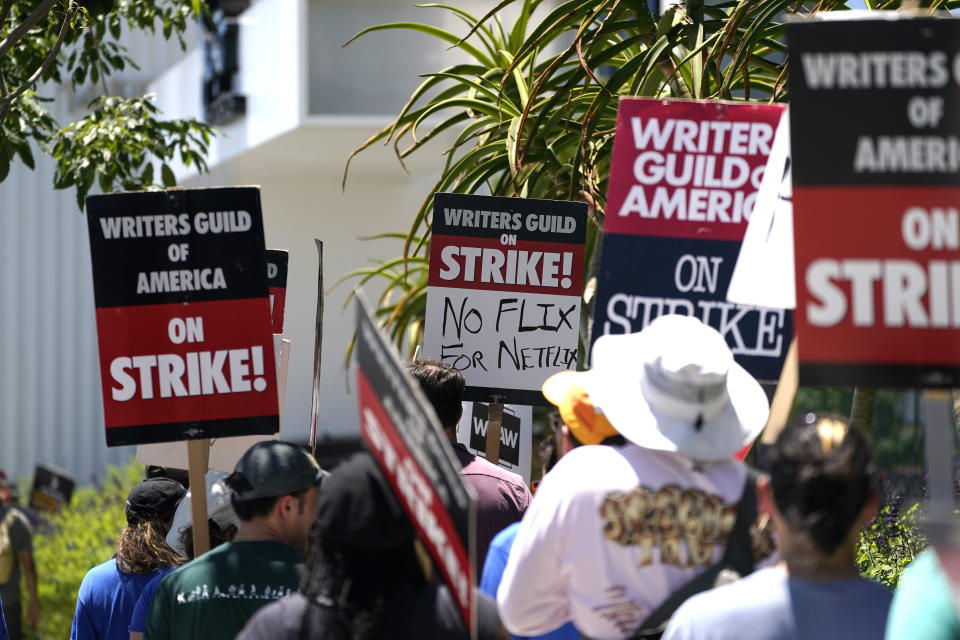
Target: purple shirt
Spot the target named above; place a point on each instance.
(502, 497)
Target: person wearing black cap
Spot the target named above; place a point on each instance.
(274, 494)
(109, 591)
(364, 580)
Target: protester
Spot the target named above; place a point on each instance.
(222, 524)
(819, 494)
(562, 442)
(364, 580)
(16, 558)
(3, 624)
(274, 493)
(615, 530)
(923, 605)
(502, 496)
(110, 591)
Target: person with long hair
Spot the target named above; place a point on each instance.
(110, 591)
(365, 579)
(819, 493)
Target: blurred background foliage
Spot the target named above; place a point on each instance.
(68, 544)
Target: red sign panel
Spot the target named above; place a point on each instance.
(875, 195)
(183, 316)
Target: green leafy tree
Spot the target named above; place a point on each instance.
(532, 111)
(121, 142)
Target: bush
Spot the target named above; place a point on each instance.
(67, 545)
(889, 543)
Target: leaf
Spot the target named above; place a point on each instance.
(430, 30)
(166, 173)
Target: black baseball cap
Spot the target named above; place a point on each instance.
(358, 509)
(154, 499)
(273, 468)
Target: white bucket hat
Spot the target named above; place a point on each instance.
(219, 509)
(673, 387)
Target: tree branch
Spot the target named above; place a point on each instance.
(5, 10)
(38, 14)
(7, 99)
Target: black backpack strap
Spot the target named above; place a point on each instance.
(737, 556)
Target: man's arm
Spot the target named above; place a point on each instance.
(30, 574)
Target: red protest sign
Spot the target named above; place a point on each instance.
(876, 222)
(404, 436)
(277, 281)
(683, 183)
(183, 316)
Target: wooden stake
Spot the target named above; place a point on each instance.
(198, 454)
(494, 422)
(783, 396)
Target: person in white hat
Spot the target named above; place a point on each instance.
(613, 531)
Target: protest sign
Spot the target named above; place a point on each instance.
(516, 435)
(183, 316)
(402, 431)
(317, 350)
(52, 489)
(503, 303)
(876, 220)
(277, 283)
(683, 182)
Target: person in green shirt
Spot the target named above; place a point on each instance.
(274, 494)
(923, 603)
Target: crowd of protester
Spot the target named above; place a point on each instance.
(646, 524)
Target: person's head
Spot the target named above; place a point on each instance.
(142, 547)
(361, 552)
(672, 387)
(274, 491)
(222, 520)
(820, 486)
(443, 386)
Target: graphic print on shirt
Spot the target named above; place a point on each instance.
(686, 525)
(233, 592)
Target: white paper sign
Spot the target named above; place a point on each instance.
(516, 435)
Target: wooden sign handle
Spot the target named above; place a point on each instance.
(198, 455)
(494, 422)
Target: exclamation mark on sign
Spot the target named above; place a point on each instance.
(256, 354)
(566, 282)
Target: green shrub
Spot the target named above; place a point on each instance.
(69, 544)
(890, 543)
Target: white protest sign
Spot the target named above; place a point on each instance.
(763, 275)
(503, 304)
(516, 435)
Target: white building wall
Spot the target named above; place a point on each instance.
(50, 404)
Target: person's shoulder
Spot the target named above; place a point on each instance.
(480, 467)
(504, 539)
(725, 601)
(278, 620)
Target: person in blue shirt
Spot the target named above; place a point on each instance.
(3, 626)
(109, 591)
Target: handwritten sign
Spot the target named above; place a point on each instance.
(183, 315)
(683, 183)
(503, 304)
(876, 220)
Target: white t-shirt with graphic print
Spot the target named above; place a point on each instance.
(611, 532)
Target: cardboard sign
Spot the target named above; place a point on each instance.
(876, 219)
(683, 183)
(516, 435)
(403, 434)
(51, 490)
(183, 315)
(503, 304)
(277, 283)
